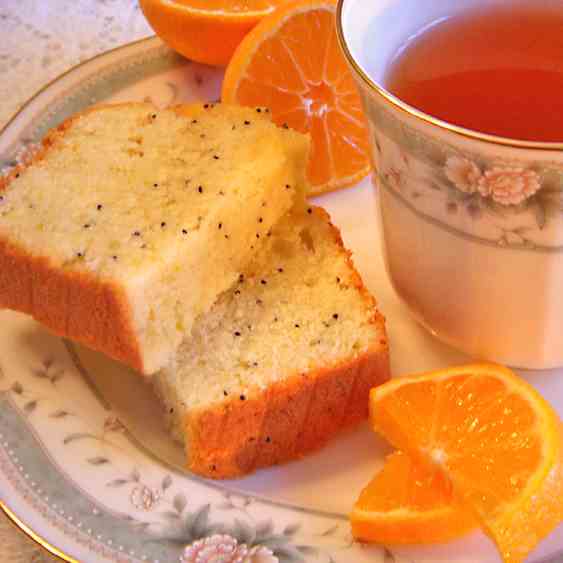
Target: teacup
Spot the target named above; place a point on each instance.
(472, 224)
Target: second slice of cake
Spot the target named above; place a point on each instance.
(283, 361)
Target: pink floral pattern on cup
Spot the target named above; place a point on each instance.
(463, 173)
(509, 186)
(504, 185)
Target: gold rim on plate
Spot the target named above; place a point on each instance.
(39, 540)
(406, 108)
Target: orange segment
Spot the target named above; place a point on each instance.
(493, 436)
(206, 31)
(291, 63)
(408, 503)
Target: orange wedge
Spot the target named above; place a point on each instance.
(493, 436)
(206, 31)
(408, 503)
(291, 63)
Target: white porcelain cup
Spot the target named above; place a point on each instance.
(472, 223)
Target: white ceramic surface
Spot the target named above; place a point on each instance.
(83, 461)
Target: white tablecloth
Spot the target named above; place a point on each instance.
(40, 39)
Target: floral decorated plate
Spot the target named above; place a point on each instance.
(86, 468)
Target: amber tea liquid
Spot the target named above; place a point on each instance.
(497, 70)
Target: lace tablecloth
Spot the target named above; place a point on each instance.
(40, 39)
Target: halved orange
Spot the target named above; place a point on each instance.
(493, 436)
(409, 503)
(206, 31)
(291, 63)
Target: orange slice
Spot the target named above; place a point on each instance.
(291, 63)
(408, 503)
(493, 436)
(206, 31)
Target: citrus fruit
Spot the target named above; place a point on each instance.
(493, 436)
(206, 31)
(291, 63)
(409, 503)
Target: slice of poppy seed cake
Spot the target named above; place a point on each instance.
(284, 359)
(131, 220)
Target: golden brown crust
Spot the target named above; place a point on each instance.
(295, 416)
(74, 304)
(286, 421)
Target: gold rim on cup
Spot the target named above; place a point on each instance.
(406, 108)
